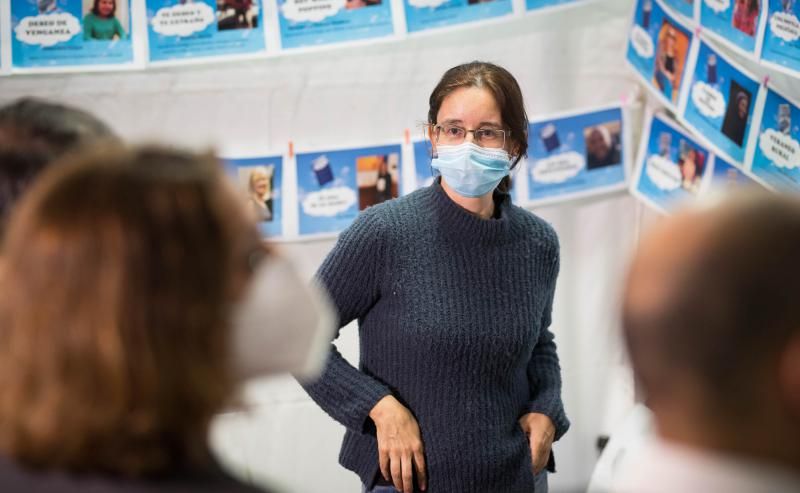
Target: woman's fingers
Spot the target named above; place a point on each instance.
(408, 474)
(422, 474)
(383, 459)
(396, 467)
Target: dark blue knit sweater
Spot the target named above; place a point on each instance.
(453, 314)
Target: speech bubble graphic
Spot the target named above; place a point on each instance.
(709, 101)
(718, 6)
(781, 149)
(785, 26)
(329, 202)
(559, 168)
(311, 10)
(426, 3)
(664, 174)
(47, 30)
(183, 20)
(642, 42)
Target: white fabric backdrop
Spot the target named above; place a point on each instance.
(370, 94)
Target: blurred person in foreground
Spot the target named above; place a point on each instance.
(136, 295)
(712, 325)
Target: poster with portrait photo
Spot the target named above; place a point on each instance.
(682, 7)
(781, 47)
(727, 177)
(422, 15)
(658, 49)
(735, 22)
(307, 23)
(58, 34)
(329, 185)
(720, 103)
(670, 165)
(540, 4)
(260, 181)
(423, 173)
(184, 30)
(776, 156)
(575, 155)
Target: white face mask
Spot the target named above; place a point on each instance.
(282, 324)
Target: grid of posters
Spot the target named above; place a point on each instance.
(736, 21)
(430, 14)
(192, 29)
(70, 33)
(260, 181)
(658, 50)
(321, 22)
(576, 154)
(782, 35)
(720, 102)
(776, 158)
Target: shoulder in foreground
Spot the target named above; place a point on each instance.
(534, 226)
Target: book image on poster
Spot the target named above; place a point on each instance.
(423, 173)
(332, 186)
(782, 34)
(683, 7)
(260, 182)
(735, 21)
(64, 33)
(776, 160)
(658, 48)
(192, 29)
(432, 14)
(540, 4)
(720, 103)
(320, 22)
(670, 166)
(574, 155)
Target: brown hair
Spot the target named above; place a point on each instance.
(119, 272)
(506, 92)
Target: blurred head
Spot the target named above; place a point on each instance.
(743, 104)
(482, 95)
(712, 325)
(259, 183)
(689, 165)
(104, 8)
(122, 268)
(33, 133)
(598, 142)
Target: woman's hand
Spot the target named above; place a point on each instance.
(400, 448)
(540, 431)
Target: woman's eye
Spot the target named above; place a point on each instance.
(453, 131)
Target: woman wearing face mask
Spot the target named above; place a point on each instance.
(133, 298)
(458, 386)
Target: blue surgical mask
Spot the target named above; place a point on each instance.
(471, 170)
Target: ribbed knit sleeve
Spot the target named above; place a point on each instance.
(544, 370)
(351, 274)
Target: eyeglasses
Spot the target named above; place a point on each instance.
(485, 137)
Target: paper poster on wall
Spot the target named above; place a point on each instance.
(431, 14)
(260, 181)
(776, 159)
(658, 48)
(65, 33)
(721, 102)
(782, 35)
(423, 173)
(332, 186)
(683, 7)
(576, 155)
(670, 165)
(321, 22)
(540, 4)
(728, 177)
(734, 21)
(190, 29)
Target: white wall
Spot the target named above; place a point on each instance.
(367, 94)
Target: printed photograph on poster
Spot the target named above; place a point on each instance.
(658, 48)
(776, 159)
(728, 177)
(64, 33)
(190, 29)
(423, 173)
(735, 21)
(332, 186)
(321, 22)
(260, 181)
(670, 166)
(682, 7)
(782, 35)
(579, 154)
(540, 4)
(431, 14)
(721, 103)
